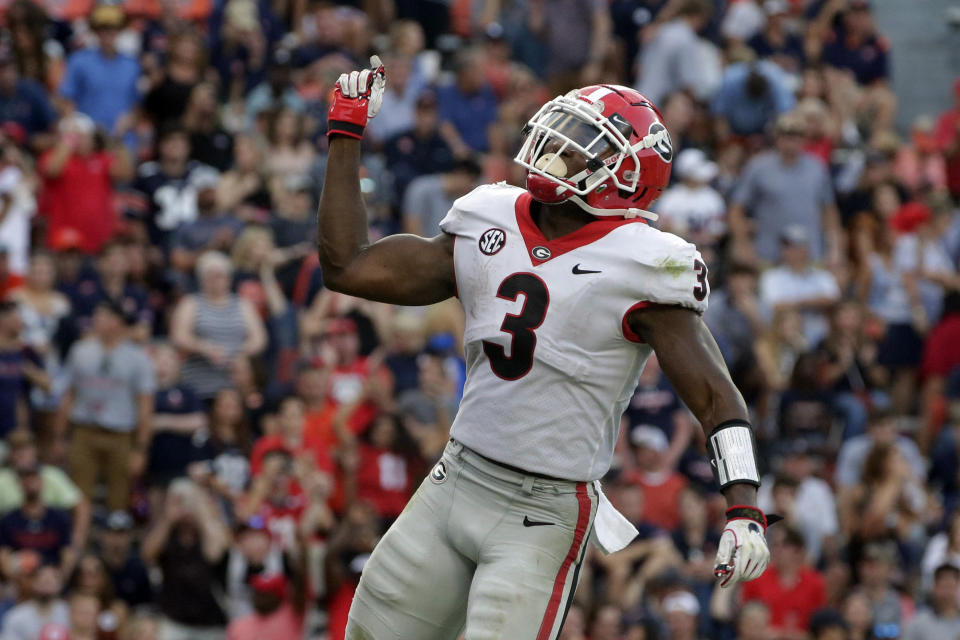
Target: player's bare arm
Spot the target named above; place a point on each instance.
(692, 362)
(401, 269)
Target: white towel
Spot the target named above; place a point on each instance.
(611, 530)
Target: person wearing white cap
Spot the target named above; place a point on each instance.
(693, 209)
(681, 609)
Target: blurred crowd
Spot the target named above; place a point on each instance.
(202, 442)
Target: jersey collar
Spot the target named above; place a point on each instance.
(534, 239)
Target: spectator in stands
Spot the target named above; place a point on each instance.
(214, 328)
(681, 610)
(428, 198)
(214, 229)
(187, 543)
(947, 135)
(805, 500)
(468, 106)
(777, 41)
(420, 150)
(110, 282)
(78, 178)
(168, 184)
(35, 527)
(102, 82)
(22, 369)
(243, 184)
(45, 312)
(670, 60)
(693, 209)
(58, 491)
(22, 100)
(853, 368)
(348, 549)
(783, 188)
(876, 569)
(400, 97)
(796, 283)
(289, 152)
(920, 166)
(790, 588)
(41, 607)
(178, 418)
(942, 619)
(576, 36)
(661, 484)
(167, 99)
(109, 406)
(277, 91)
(210, 144)
(121, 561)
(17, 204)
(941, 360)
(752, 94)
(278, 613)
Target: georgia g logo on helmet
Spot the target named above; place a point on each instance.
(664, 148)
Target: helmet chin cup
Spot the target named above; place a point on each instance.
(545, 190)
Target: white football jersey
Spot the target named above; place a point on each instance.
(551, 362)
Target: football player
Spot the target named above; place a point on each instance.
(566, 292)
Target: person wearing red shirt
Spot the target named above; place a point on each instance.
(356, 379)
(78, 183)
(941, 357)
(291, 439)
(790, 589)
(277, 612)
(947, 136)
(662, 485)
(383, 475)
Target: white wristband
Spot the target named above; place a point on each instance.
(733, 454)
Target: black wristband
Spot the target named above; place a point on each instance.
(342, 127)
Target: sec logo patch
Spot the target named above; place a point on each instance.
(492, 241)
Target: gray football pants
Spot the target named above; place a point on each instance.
(479, 547)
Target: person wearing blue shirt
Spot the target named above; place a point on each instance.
(467, 107)
(751, 95)
(22, 100)
(102, 82)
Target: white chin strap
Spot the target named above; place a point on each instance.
(629, 214)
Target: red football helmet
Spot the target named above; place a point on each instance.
(623, 139)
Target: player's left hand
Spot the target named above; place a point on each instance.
(742, 554)
(356, 99)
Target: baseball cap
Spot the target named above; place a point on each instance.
(108, 16)
(117, 309)
(681, 602)
(860, 4)
(66, 238)
(649, 437)
(205, 178)
(275, 584)
(693, 164)
(794, 234)
(77, 122)
(909, 216)
(340, 326)
(118, 521)
(788, 123)
(54, 631)
(825, 619)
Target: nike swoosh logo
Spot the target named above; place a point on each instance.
(578, 271)
(527, 522)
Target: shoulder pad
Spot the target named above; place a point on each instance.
(487, 203)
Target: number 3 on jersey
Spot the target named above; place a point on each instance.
(521, 326)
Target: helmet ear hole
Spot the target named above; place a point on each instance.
(594, 164)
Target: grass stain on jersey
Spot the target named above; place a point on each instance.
(673, 267)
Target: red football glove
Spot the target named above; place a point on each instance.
(356, 99)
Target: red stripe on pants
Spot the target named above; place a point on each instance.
(583, 519)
